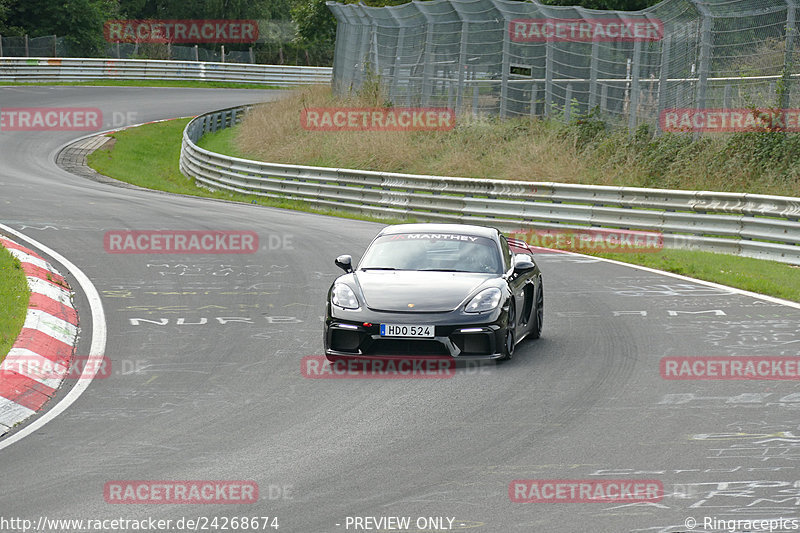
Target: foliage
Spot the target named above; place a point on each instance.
(621, 5)
(210, 9)
(79, 21)
(315, 22)
(3, 15)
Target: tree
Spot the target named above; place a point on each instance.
(3, 15)
(315, 22)
(208, 9)
(619, 5)
(80, 22)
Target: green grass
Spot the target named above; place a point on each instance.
(151, 83)
(14, 296)
(222, 142)
(156, 147)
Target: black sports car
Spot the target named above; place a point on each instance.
(435, 290)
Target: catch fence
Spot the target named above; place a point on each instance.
(511, 58)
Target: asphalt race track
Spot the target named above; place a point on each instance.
(196, 395)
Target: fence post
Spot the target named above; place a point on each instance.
(534, 94)
(475, 91)
(1, 46)
(603, 98)
(401, 36)
(548, 77)
(375, 59)
(506, 66)
(726, 99)
(55, 46)
(450, 89)
(663, 76)
(222, 48)
(462, 61)
(27, 51)
(593, 75)
(252, 56)
(428, 66)
(568, 103)
(634, 104)
(788, 59)
(196, 53)
(705, 55)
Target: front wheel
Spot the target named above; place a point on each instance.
(510, 340)
(538, 312)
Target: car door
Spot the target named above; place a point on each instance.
(518, 285)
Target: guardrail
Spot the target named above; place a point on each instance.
(44, 69)
(766, 227)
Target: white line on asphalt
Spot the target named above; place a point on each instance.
(742, 292)
(96, 350)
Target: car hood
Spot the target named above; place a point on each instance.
(414, 291)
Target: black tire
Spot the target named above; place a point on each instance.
(538, 312)
(510, 339)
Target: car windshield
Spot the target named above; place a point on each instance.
(445, 252)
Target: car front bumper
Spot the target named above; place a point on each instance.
(458, 335)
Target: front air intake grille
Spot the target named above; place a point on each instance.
(405, 347)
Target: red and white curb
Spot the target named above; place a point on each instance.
(47, 341)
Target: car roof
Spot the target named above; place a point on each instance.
(460, 229)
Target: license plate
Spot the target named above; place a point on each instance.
(400, 330)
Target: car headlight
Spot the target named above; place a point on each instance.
(343, 296)
(486, 300)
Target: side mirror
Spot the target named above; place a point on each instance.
(345, 262)
(523, 263)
